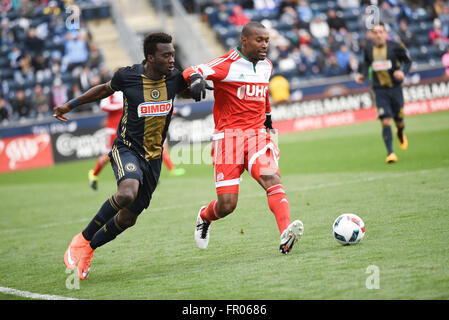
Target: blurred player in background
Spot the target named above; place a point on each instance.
(172, 170)
(241, 140)
(149, 89)
(113, 105)
(386, 63)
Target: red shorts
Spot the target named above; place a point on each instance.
(233, 151)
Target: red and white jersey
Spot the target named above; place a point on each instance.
(113, 105)
(240, 90)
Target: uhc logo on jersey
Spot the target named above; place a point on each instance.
(254, 92)
(160, 108)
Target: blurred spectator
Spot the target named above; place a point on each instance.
(76, 50)
(353, 66)
(4, 88)
(289, 16)
(238, 17)
(350, 41)
(348, 4)
(52, 9)
(5, 6)
(319, 28)
(437, 8)
(221, 16)
(287, 3)
(405, 35)
(75, 91)
(41, 102)
(445, 61)
(26, 9)
(387, 14)
(436, 38)
(5, 110)
(309, 61)
(32, 42)
(25, 71)
(285, 60)
(332, 68)
(342, 56)
(59, 93)
(444, 18)
(304, 37)
(279, 88)
(332, 43)
(304, 11)
(265, 5)
(14, 56)
(324, 58)
(85, 79)
(365, 20)
(95, 57)
(21, 105)
(41, 68)
(104, 74)
(335, 22)
(6, 33)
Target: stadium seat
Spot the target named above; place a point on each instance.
(4, 62)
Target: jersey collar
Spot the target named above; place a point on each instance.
(238, 49)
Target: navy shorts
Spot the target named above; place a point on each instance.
(390, 103)
(128, 165)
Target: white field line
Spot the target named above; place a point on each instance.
(251, 195)
(27, 294)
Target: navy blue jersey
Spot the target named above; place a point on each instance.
(383, 61)
(147, 108)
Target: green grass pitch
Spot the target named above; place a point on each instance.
(326, 172)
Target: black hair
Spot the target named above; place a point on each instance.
(250, 25)
(380, 23)
(151, 40)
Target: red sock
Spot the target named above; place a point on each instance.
(278, 203)
(210, 212)
(167, 160)
(99, 166)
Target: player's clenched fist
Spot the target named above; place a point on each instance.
(198, 87)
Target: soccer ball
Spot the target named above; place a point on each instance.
(348, 229)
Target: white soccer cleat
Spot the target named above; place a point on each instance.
(202, 231)
(291, 235)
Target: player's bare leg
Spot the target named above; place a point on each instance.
(217, 209)
(278, 203)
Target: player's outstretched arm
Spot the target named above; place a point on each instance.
(96, 93)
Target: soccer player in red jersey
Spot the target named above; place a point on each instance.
(242, 116)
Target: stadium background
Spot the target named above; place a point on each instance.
(52, 51)
(325, 172)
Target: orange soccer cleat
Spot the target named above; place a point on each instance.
(73, 253)
(391, 158)
(404, 143)
(85, 262)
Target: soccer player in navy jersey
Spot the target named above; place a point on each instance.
(386, 63)
(149, 89)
